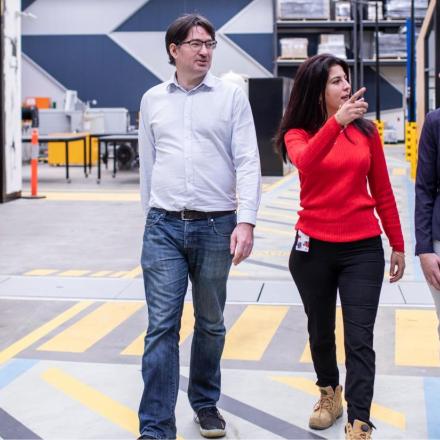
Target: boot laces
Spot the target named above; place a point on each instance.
(325, 402)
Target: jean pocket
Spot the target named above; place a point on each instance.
(153, 217)
(224, 225)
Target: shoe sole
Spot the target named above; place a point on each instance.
(213, 433)
(321, 428)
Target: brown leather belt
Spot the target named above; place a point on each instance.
(194, 215)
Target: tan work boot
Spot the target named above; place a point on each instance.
(359, 431)
(327, 409)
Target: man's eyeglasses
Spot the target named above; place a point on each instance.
(197, 45)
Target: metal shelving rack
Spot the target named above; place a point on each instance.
(312, 28)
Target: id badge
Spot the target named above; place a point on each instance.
(303, 242)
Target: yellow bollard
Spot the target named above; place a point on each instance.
(413, 148)
(380, 127)
(408, 140)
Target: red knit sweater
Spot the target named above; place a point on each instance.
(335, 201)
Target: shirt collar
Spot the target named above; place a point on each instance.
(208, 82)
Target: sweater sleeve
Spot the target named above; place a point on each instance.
(305, 151)
(382, 193)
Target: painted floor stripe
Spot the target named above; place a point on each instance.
(13, 369)
(74, 273)
(41, 272)
(257, 417)
(379, 412)
(93, 399)
(31, 338)
(93, 327)
(11, 428)
(101, 273)
(432, 399)
(119, 274)
(251, 334)
(137, 271)
(262, 229)
(93, 197)
(136, 348)
(340, 352)
(281, 181)
(272, 213)
(416, 340)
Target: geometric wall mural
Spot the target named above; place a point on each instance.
(113, 50)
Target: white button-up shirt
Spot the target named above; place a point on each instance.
(198, 149)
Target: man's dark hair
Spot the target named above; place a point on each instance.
(179, 28)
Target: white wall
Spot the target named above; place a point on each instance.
(12, 95)
(37, 82)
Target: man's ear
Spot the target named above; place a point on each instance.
(173, 50)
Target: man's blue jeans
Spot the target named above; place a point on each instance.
(173, 250)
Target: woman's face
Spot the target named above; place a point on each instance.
(337, 90)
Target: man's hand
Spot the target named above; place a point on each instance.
(430, 265)
(242, 241)
(397, 266)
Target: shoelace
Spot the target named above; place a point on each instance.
(211, 411)
(325, 402)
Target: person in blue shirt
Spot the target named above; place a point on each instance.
(427, 211)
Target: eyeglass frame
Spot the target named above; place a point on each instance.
(212, 43)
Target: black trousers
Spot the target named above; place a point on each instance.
(356, 269)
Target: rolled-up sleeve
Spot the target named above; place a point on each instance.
(246, 159)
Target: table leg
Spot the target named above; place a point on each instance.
(114, 159)
(85, 157)
(90, 153)
(66, 143)
(99, 161)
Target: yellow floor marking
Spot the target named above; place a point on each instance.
(133, 273)
(93, 399)
(101, 273)
(284, 203)
(187, 325)
(252, 332)
(31, 338)
(380, 412)
(270, 253)
(41, 272)
(119, 274)
(136, 348)
(271, 213)
(416, 338)
(238, 273)
(340, 352)
(279, 182)
(399, 171)
(260, 229)
(74, 273)
(94, 197)
(87, 331)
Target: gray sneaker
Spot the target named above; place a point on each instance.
(212, 424)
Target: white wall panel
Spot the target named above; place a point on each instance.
(78, 17)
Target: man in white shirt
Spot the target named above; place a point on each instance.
(198, 149)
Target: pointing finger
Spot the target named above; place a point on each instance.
(358, 94)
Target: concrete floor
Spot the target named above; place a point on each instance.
(72, 317)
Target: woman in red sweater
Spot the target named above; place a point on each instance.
(344, 180)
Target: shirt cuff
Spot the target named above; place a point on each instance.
(247, 216)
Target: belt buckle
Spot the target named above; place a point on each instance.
(182, 215)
